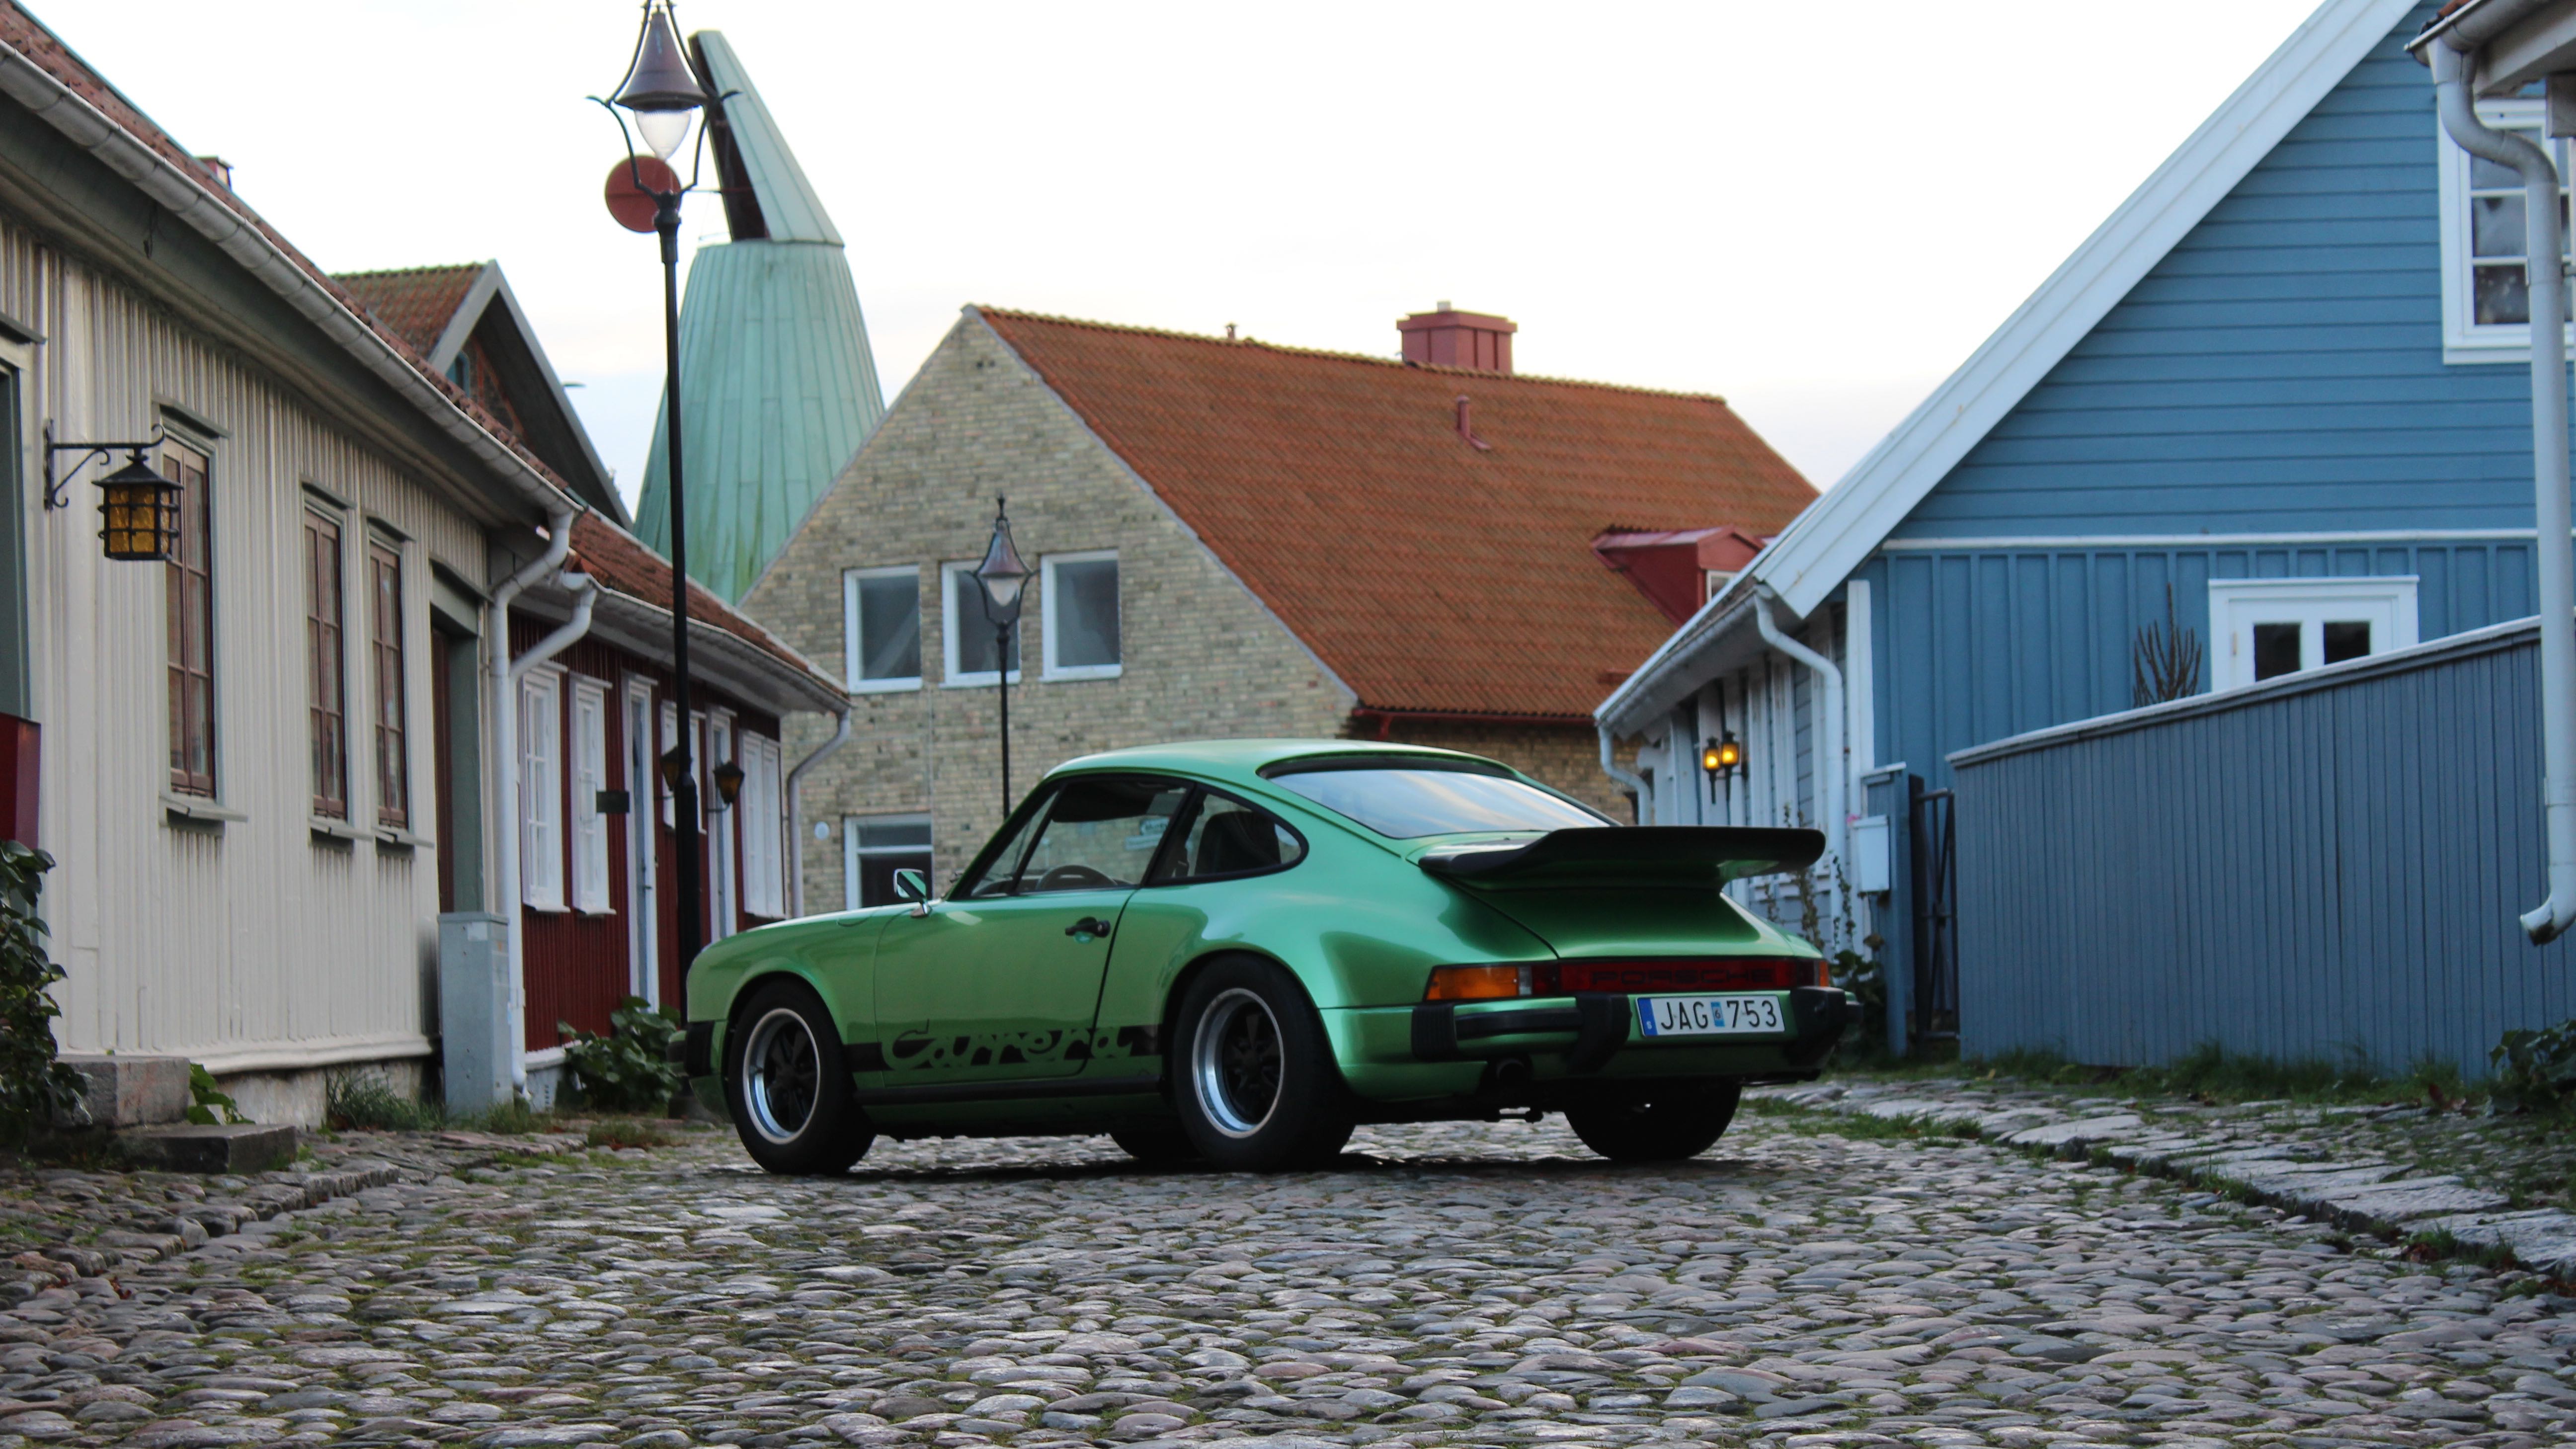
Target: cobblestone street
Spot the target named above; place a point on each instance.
(1453, 1284)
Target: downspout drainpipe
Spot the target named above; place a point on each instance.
(796, 813)
(1628, 778)
(2557, 568)
(1829, 748)
(585, 594)
(505, 749)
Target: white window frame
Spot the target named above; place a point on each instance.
(950, 676)
(643, 869)
(723, 853)
(852, 851)
(1046, 620)
(850, 627)
(590, 893)
(2387, 602)
(2463, 340)
(541, 790)
(764, 878)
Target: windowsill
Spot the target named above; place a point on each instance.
(546, 910)
(1084, 671)
(196, 810)
(595, 913)
(886, 686)
(395, 838)
(984, 680)
(335, 832)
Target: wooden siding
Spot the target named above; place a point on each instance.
(1977, 645)
(251, 942)
(2327, 866)
(2280, 370)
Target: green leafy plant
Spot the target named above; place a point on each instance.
(34, 1087)
(630, 1069)
(2537, 1069)
(366, 1103)
(208, 1106)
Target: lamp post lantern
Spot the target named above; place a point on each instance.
(664, 95)
(1003, 577)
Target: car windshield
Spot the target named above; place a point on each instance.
(1404, 802)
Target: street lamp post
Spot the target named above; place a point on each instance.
(664, 95)
(1003, 577)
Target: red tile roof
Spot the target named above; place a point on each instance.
(415, 303)
(1430, 573)
(621, 563)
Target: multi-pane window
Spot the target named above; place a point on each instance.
(385, 648)
(541, 791)
(1081, 625)
(881, 628)
(974, 643)
(192, 625)
(764, 876)
(874, 848)
(589, 777)
(2486, 298)
(723, 856)
(2265, 628)
(326, 683)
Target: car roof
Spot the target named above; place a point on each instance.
(1242, 760)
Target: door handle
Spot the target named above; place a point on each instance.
(1088, 926)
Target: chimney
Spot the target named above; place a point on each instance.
(1447, 337)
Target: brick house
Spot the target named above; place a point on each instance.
(1234, 539)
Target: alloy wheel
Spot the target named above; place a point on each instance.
(1235, 1061)
(782, 1075)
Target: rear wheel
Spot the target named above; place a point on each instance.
(788, 1088)
(1667, 1127)
(1256, 1084)
(1155, 1146)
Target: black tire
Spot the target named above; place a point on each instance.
(1669, 1127)
(788, 1087)
(1253, 1075)
(1155, 1146)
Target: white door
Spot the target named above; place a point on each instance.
(643, 780)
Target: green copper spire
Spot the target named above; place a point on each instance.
(775, 367)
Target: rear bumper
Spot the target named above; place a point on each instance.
(1443, 1047)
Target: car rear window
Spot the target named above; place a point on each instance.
(1405, 802)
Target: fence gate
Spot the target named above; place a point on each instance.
(1935, 997)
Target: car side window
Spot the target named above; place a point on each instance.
(1226, 837)
(1101, 833)
(1003, 867)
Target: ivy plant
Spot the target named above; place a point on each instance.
(34, 1087)
(630, 1069)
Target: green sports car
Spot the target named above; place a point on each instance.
(1237, 951)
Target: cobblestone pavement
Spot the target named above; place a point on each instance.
(1450, 1285)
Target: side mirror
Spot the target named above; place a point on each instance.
(913, 886)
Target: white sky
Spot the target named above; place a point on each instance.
(1700, 196)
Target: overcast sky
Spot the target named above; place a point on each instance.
(1817, 223)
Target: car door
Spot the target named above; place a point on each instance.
(1000, 982)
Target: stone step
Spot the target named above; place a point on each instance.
(128, 1091)
(244, 1148)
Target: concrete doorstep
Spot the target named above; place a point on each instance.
(242, 1148)
(2362, 1195)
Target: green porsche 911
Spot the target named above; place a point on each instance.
(1237, 951)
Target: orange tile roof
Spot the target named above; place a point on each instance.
(416, 303)
(1431, 574)
(621, 563)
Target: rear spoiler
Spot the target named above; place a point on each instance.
(1642, 855)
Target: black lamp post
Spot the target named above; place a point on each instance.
(664, 95)
(1003, 577)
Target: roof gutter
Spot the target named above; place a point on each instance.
(2470, 27)
(2556, 572)
(191, 200)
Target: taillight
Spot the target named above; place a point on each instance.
(1627, 977)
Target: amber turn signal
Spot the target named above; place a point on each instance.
(1473, 983)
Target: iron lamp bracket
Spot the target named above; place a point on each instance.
(90, 453)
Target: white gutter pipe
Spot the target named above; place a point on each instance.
(1829, 746)
(2557, 568)
(505, 756)
(585, 594)
(796, 813)
(1628, 778)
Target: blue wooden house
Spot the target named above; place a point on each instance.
(2281, 393)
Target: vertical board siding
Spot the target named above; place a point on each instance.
(2330, 871)
(1996, 642)
(257, 939)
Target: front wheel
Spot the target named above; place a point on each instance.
(1667, 1127)
(1256, 1084)
(788, 1088)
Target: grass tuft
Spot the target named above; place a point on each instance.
(628, 1132)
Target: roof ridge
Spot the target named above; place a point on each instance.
(1335, 355)
(421, 270)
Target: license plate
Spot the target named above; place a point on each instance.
(1709, 1015)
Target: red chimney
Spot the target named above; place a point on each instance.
(1446, 337)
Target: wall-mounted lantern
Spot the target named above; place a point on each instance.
(1721, 756)
(138, 508)
(728, 784)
